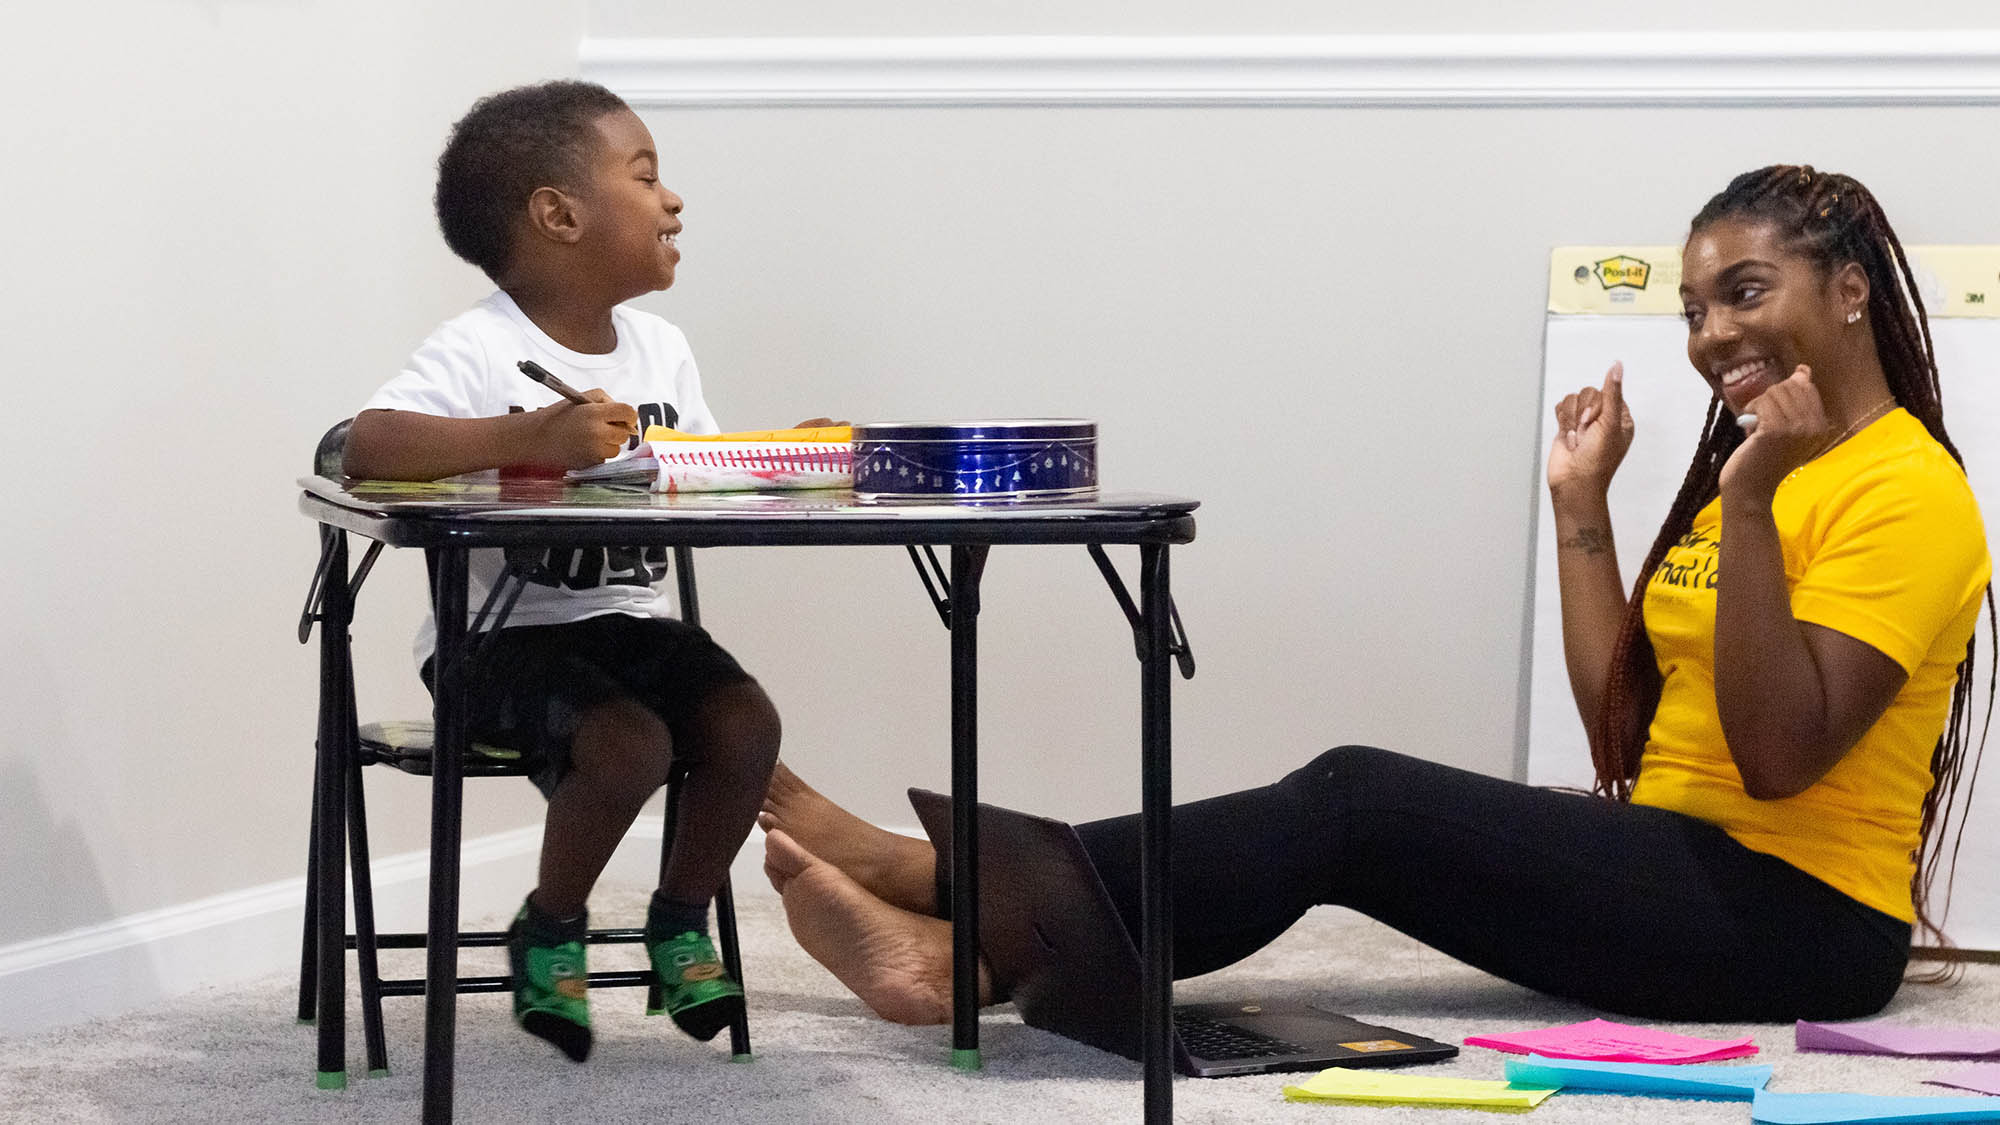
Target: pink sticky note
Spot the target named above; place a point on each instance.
(1983, 1077)
(1878, 1038)
(1604, 1041)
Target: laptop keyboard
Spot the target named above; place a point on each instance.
(1212, 1039)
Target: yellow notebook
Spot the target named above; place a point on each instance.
(817, 433)
(1342, 1084)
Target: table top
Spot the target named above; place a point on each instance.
(484, 511)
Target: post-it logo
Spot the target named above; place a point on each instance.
(1623, 272)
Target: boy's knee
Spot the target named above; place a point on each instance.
(740, 723)
(621, 738)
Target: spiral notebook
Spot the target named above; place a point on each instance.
(672, 462)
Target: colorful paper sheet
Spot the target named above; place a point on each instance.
(752, 465)
(1654, 1079)
(1983, 1077)
(1842, 1109)
(1605, 1041)
(1875, 1037)
(1344, 1084)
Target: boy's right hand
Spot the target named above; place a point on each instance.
(579, 435)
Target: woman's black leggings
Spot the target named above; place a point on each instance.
(1630, 909)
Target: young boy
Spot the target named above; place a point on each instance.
(554, 191)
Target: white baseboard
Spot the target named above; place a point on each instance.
(141, 959)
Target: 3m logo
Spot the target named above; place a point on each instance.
(1975, 298)
(1623, 272)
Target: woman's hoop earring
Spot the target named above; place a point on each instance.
(1853, 316)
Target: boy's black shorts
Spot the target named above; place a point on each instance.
(530, 683)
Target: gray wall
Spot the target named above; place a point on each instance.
(219, 241)
(1324, 323)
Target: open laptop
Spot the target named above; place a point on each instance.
(1049, 930)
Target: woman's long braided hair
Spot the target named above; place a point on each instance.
(1832, 220)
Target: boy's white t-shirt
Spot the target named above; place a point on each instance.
(467, 370)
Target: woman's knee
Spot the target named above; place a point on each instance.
(1344, 769)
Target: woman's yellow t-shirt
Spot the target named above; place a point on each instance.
(1883, 542)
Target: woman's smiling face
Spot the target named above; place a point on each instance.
(1755, 310)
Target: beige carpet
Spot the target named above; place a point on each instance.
(821, 1057)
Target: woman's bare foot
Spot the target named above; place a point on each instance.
(897, 962)
(899, 870)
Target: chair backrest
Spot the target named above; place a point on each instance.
(326, 462)
(332, 449)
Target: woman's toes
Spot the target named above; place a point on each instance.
(783, 859)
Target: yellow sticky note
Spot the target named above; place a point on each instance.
(1347, 1085)
(816, 433)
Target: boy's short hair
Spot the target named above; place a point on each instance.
(507, 145)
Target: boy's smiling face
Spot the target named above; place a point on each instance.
(632, 218)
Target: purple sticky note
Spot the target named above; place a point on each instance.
(1983, 1077)
(1604, 1041)
(1879, 1038)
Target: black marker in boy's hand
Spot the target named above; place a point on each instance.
(548, 379)
(588, 435)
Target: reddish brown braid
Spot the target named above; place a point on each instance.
(1832, 220)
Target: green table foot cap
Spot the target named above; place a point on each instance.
(379, 1072)
(331, 1080)
(965, 1058)
(742, 1058)
(656, 1011)
(308, 1021)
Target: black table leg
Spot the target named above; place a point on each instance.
(447, 779)
(329, 817)
(966, 564)
(1155, 863)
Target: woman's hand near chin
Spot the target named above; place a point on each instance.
(1792, 429)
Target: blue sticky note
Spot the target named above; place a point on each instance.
(1656, 1079)
(1840, 1109)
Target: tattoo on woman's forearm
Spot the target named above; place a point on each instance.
(1589, 540)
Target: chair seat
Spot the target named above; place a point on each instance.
(408, 745)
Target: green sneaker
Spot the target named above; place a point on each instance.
(551, 989)
(696, 989)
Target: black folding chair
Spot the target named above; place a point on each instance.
(408, 747)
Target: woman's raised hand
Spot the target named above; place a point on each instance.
(1593, 431)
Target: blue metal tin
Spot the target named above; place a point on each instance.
(1000, 459)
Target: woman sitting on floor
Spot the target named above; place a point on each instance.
(1778, 712)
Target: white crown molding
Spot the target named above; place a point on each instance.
(1552, 70)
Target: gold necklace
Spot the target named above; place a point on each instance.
(1869, 415)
